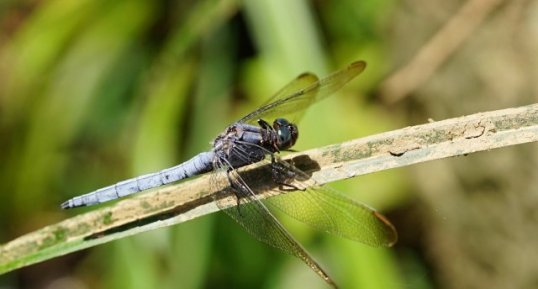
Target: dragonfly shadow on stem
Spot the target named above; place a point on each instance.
(270, 179)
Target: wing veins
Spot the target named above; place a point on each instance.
(302, 92)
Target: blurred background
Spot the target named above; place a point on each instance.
(93, 92)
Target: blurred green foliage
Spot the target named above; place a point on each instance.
(93, 92)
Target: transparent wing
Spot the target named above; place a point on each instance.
(256, 219)
(329, 211)
(291, 101)
(301, 82)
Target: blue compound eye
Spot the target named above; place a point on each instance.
(287, 133)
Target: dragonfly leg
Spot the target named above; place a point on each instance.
(235, 190)
(265, 125)
(282, 175)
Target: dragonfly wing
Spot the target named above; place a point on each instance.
(291, 101)
(269, 109)
(329, 211)
(301, 82)
(256, 219)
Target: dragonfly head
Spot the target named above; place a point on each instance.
(287, 133)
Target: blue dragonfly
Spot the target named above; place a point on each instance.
(252, 139)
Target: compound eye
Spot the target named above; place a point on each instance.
(284, 135)
(287, 133)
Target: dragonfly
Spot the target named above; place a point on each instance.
(252, 139)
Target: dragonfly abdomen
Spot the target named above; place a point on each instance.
(199, 164)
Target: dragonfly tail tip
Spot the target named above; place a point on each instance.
(66, 205)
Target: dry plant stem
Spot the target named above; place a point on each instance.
(178, 203)
(434, 53)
